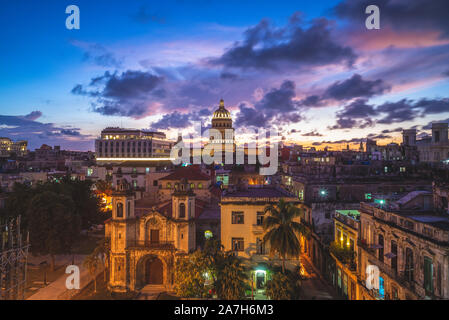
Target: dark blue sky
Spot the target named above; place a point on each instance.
(308, 68)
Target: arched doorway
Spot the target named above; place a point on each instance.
(154, 271)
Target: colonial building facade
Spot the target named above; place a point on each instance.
(148, 236)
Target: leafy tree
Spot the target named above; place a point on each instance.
(284, 286)
(52, 224)
(104, 187)
(279, 287)
(92, 263)
(17, 202)
(231, 282)
(190, 275)
(282, 230)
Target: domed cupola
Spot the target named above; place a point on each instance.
(221, 112)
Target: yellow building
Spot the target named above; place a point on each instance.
(242, 214)
(345, 252)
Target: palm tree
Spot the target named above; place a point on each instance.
(282, 231)
(91, 262)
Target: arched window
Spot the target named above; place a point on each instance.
(381, 247)
(182, 210)
(409, 264)
(119, 210)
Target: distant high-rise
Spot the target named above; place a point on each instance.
(9, 148)
(130, 144)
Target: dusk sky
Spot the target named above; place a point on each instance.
(311, 69)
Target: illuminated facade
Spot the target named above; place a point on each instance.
(125, 144)
(222, 124)
(408, 242)
(149, 234)
(344, 250)
(9, 147)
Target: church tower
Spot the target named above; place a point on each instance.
(123, 232)
(183, 212)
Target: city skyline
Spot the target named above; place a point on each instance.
(311, 70)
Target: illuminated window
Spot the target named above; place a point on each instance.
(200, 185)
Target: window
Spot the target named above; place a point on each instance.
(119, 210)
(154, 183)
(394, 293)
(381, 250)
(381, 288)
(237, 217)
(238, 244)
(200, 185)
(428, 275)
(437, 136)
(260, 246)
(394, 257)
(345, 285)
(192, 186)
(408, 272)
(260, 216)
(168, 185)
(147, 170)
(182, 210)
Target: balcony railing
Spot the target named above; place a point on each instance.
(345, 255)
(257, 229)
(146, 244)
(401, 277)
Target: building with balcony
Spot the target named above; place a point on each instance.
(344, 251)
(407, 241)
(242, 215)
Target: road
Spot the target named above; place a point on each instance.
(313, 288)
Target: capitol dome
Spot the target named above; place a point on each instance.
(221, 112)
